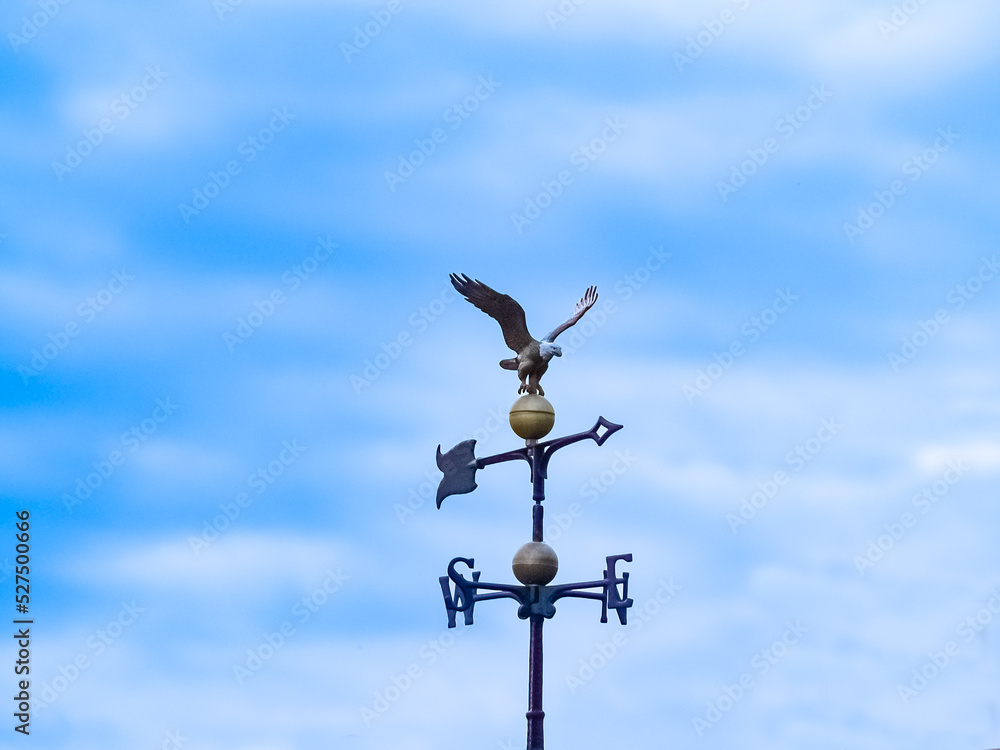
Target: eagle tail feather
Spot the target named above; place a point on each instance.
(509, 364)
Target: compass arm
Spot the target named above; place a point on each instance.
(466, 592)
(608, 596)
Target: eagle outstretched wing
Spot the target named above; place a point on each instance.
(503, 308)
(586, 302)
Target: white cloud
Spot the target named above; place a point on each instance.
(238, 564)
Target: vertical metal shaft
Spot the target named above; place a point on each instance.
(536, 715)
(537, 493)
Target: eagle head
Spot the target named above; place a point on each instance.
(547, 349)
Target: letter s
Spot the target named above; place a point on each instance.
(426, 653)
(419, 322)
(759, 664)
(922, 503)
(291, 279)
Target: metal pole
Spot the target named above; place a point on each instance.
(460, 466)
(536, 715)
(537, 493)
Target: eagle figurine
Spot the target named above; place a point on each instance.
(533, 356)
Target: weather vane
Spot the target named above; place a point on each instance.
(535, 564)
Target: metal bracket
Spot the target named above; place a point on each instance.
(459, 465)
(534, 600)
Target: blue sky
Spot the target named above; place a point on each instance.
(229, 350)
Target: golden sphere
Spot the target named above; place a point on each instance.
(532, 416)
(535, 564)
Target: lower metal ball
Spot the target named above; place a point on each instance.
(535, 564)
